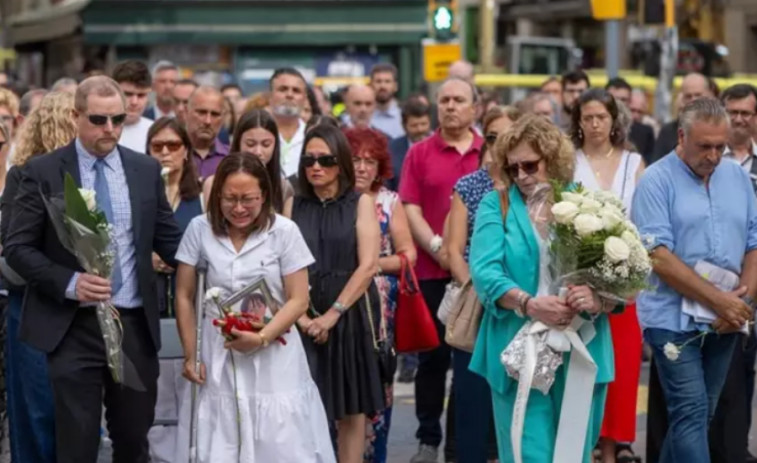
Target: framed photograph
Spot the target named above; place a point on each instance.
(255, 298)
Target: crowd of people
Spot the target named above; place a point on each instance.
(326, 209)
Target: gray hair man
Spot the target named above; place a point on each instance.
(165, 74)
(699, 219)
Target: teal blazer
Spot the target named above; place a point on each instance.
(503, 257)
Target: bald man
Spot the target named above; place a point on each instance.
(461, 69)
(205, 111)
(360, 103)
(693, 87)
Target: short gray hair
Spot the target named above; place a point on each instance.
(707, 110)
(102, 86)
(25, 103)
(63, 82)
(163, 65)
(473, 89)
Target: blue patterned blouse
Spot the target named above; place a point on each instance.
(472, 188)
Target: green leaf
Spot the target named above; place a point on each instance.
(76, 207)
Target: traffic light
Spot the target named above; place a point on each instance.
(443, 19)
(603, 10)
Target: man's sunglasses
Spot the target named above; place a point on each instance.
(329, 160)
(528, 168)
(173, 146)
(98, 119)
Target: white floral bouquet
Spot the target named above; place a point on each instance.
(84, 231)
(594, 243)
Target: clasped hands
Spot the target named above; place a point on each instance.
(318, 328)
(558, 312)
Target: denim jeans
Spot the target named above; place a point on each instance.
(691, 385)
(31, 413)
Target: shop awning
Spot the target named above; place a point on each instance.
(48, 23)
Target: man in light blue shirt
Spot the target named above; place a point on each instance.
(387, 116)
(691, 208)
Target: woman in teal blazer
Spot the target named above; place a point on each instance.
(511, 278)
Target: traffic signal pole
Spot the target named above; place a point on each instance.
(664, 93)
(612, 47)
(487, 18)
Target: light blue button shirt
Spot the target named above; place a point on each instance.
(389, 121)
(674, 208)
(128, 295)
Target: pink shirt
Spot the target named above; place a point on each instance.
(429, 173)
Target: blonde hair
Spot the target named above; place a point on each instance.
(47, 128)
(545, 139)
(9, 100)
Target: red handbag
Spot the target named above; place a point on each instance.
(414, 328)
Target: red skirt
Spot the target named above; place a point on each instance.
(620, 408)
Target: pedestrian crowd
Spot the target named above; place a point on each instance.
(335, 213)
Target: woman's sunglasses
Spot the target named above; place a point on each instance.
(99, 119)
(173, 146)
(528, 168)
(329, 160)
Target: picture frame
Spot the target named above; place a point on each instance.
(255, 297)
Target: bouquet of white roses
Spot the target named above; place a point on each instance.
(84, 231)
(594, 243)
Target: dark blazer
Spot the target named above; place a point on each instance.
(667, 140)
(33, 250)
(149, 113)
(642, 137)
(398, 149)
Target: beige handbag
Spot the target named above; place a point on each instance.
(464, 319)
(465, 315)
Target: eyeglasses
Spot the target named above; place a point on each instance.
(246, 202)
(173, 146)
(528, 168)
(99, 119)
(329, 160)
(746, 115)
(491, 138)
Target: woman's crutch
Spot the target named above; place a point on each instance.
(202, 268)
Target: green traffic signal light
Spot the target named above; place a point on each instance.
(443, 19)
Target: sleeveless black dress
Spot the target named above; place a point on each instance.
(345, 368)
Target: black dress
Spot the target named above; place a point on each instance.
(345, 368)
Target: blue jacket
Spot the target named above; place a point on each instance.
(398, 149)
(503, 257)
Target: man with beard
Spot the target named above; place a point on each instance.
(288, 96)
(134, 79)
(431, 169)
(180, 94)
(164, 77)
(387, 117)
(574, 83)
(205, 112)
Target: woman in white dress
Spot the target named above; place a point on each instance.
(281, 417)
(599, 131)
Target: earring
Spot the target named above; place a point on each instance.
(613, 133)
(580, 134)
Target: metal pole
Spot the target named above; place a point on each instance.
(487, 23)
(612, 47)
(202, 268)
(668, 58)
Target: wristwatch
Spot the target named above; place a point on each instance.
(435, 244)
(339, 307)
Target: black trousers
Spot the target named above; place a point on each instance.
(431, 378)
(82, 382)
(729, 429)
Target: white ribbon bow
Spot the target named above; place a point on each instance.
(579, 389)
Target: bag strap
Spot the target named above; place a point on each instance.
(369, 310)
(403, 270)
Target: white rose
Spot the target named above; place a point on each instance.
(164, 172)
(212, 294)
(564, 212)
(630, 238)
(574, 198)
(616, 249)
(610, 218)
(590, 205)
(586, 224)
(89, 198)
(671, 351)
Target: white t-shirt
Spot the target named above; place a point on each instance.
(134, 136)
(291, 151)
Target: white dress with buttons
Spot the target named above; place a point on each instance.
(282, 416)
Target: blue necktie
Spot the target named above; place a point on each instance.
(102, 197)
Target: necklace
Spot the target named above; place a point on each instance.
(597, 172)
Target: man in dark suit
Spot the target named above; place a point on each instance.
(165, 75)
(58, 315)
(416, 120)
(640, 135)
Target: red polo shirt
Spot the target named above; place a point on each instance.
(429, 173)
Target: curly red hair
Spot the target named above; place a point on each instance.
(371, 144)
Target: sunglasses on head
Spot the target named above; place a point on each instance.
(173, 146)
(99, 119)
(528, 168)
(324, 161)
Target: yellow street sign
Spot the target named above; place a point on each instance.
(608, 9)
(437, 57)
